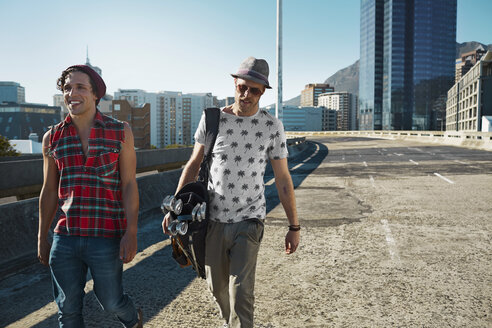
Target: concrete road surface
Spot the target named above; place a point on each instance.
(394, 234)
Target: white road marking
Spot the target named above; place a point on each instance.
(314, 154)
(296, 167)
(417, 149)
(397, 154)
(461, 162)
(365, 164)
(391, 242)
(444, 178)
(414, 162)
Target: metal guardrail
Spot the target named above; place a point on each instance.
(478, 140)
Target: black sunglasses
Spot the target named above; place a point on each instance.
(241, 88)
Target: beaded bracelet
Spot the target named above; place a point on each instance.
(294, 227)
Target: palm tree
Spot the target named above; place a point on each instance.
(226, 210)
(227, 172)
(237, 159)
(254, 174)
(257, 187)
(258, 135)
(239, 120)
(248, 146)
(245, 187)
(230, 186)
(223, 120)
(282, 145)
(249, 200)
(254, 122)
(230, 132)
(251, 160)
(272, 136)
(261, 148)
(252, 208)
(223, 158)
(234, 145)
(235, 200)
(244, 133)
(222, 198)
(240, 175)
(269, 124)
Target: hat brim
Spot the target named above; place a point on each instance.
(251, 78)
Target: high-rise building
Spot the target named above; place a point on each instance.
(18, 121)
(345, 104)
(138, 118)
(12, 92)
(311, 92)
(407, 64)
(300, 118)
(174, 116)
(470, 99)
(467, 61)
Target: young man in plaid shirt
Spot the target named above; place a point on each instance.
(89, 177)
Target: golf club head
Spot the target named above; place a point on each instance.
(195, 211)
(203, 211)
(172, 227)
(182, 227)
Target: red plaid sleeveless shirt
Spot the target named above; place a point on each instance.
(89, 195)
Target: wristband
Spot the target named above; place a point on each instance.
(294, 227)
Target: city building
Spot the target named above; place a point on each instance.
(311, 92)
(467, 61)
(12, 92)
(300, 118)
(33, 145)
(407, 62)
(345, 104)
(470, 100)
(174, 116)
(138, 117)
(18, 121)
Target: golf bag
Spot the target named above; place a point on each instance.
(189, 210)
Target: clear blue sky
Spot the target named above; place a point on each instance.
(188, 45)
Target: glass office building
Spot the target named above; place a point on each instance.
(407, 50)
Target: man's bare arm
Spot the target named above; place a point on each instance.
(286, 194)
(129, 192)
(48, 201)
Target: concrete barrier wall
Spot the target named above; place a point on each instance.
(19, 220)
(476, 140)
(25, 176)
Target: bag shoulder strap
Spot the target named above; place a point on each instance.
(212, 117)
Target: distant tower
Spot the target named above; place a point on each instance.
(88, 63)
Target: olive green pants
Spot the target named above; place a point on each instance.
(230, 266)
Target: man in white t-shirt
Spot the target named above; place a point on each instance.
(247, 139)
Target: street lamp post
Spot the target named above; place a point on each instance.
(278, 107)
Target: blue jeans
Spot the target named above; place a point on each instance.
(70, 258)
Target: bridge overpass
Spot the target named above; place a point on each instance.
(395, 233)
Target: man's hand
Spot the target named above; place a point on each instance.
(292, 241)
(44, 248)
(165, 224)
(128, 247)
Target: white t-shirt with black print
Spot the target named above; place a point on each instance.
(239, 158)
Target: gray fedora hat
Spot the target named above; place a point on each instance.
(255, 70)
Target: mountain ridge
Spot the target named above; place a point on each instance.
(347, 78)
